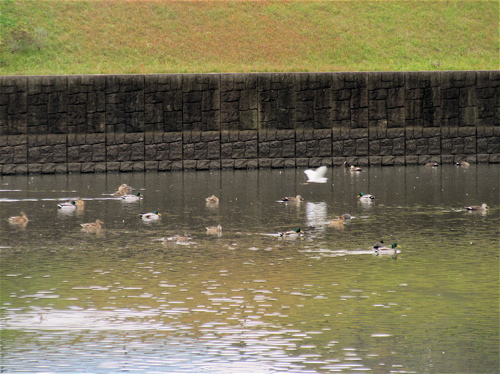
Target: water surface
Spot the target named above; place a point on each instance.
(248, 301)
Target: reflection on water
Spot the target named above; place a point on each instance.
(242, 300)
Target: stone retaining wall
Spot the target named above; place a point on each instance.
(99, 123)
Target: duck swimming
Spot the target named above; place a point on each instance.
(214, 230)
(338, 222)
(20, 220)
(482, 207)
(296, 199)
(212, 200)
(93, 226)
(70, 205)
(365, 197)
(123, 190)
(316, 176)
(153, 216)
(132, 198)
(292, 234)
(352, 167)
(80, 204)
(385, 250)
(177, 239)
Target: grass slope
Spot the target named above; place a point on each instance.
(124, 37)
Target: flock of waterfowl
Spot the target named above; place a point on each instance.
(318, 176)
(125, 192)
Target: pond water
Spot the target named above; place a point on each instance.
(247, 300)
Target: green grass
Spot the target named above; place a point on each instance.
(125, 37)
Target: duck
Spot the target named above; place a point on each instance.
(365, 197)
(93, 226)
(214, 230)
(131, 198)
(316, 176)
(291, 199)
(20, 220)
(153, 216)
(352, 167)
(385, 250)
(464, 164)
(124, 189)
(338, 221)
(482, 207)
(292, 234)
(177, 239)
(212, 200)
(80, 204)
(70, 205)
(432, 164)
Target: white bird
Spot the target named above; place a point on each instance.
(316, 176)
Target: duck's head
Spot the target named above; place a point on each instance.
(361, 194)
(156, 212)
(138, 194)
(299, 231)
(394, 245)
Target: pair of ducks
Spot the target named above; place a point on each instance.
(125, 192)
(186, 240)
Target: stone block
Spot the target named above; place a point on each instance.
(411, 160)
(112, 166)
(302, 162)
(424, 159)
(245, 164)
(87, 167)
(483, 158)
(265, 162)
(494, 158)
(34, 168)
(227, 163)
(388, 160)
(447, 159)
(411, 147)
(493, 146)
(375, 160)
(289, 163)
